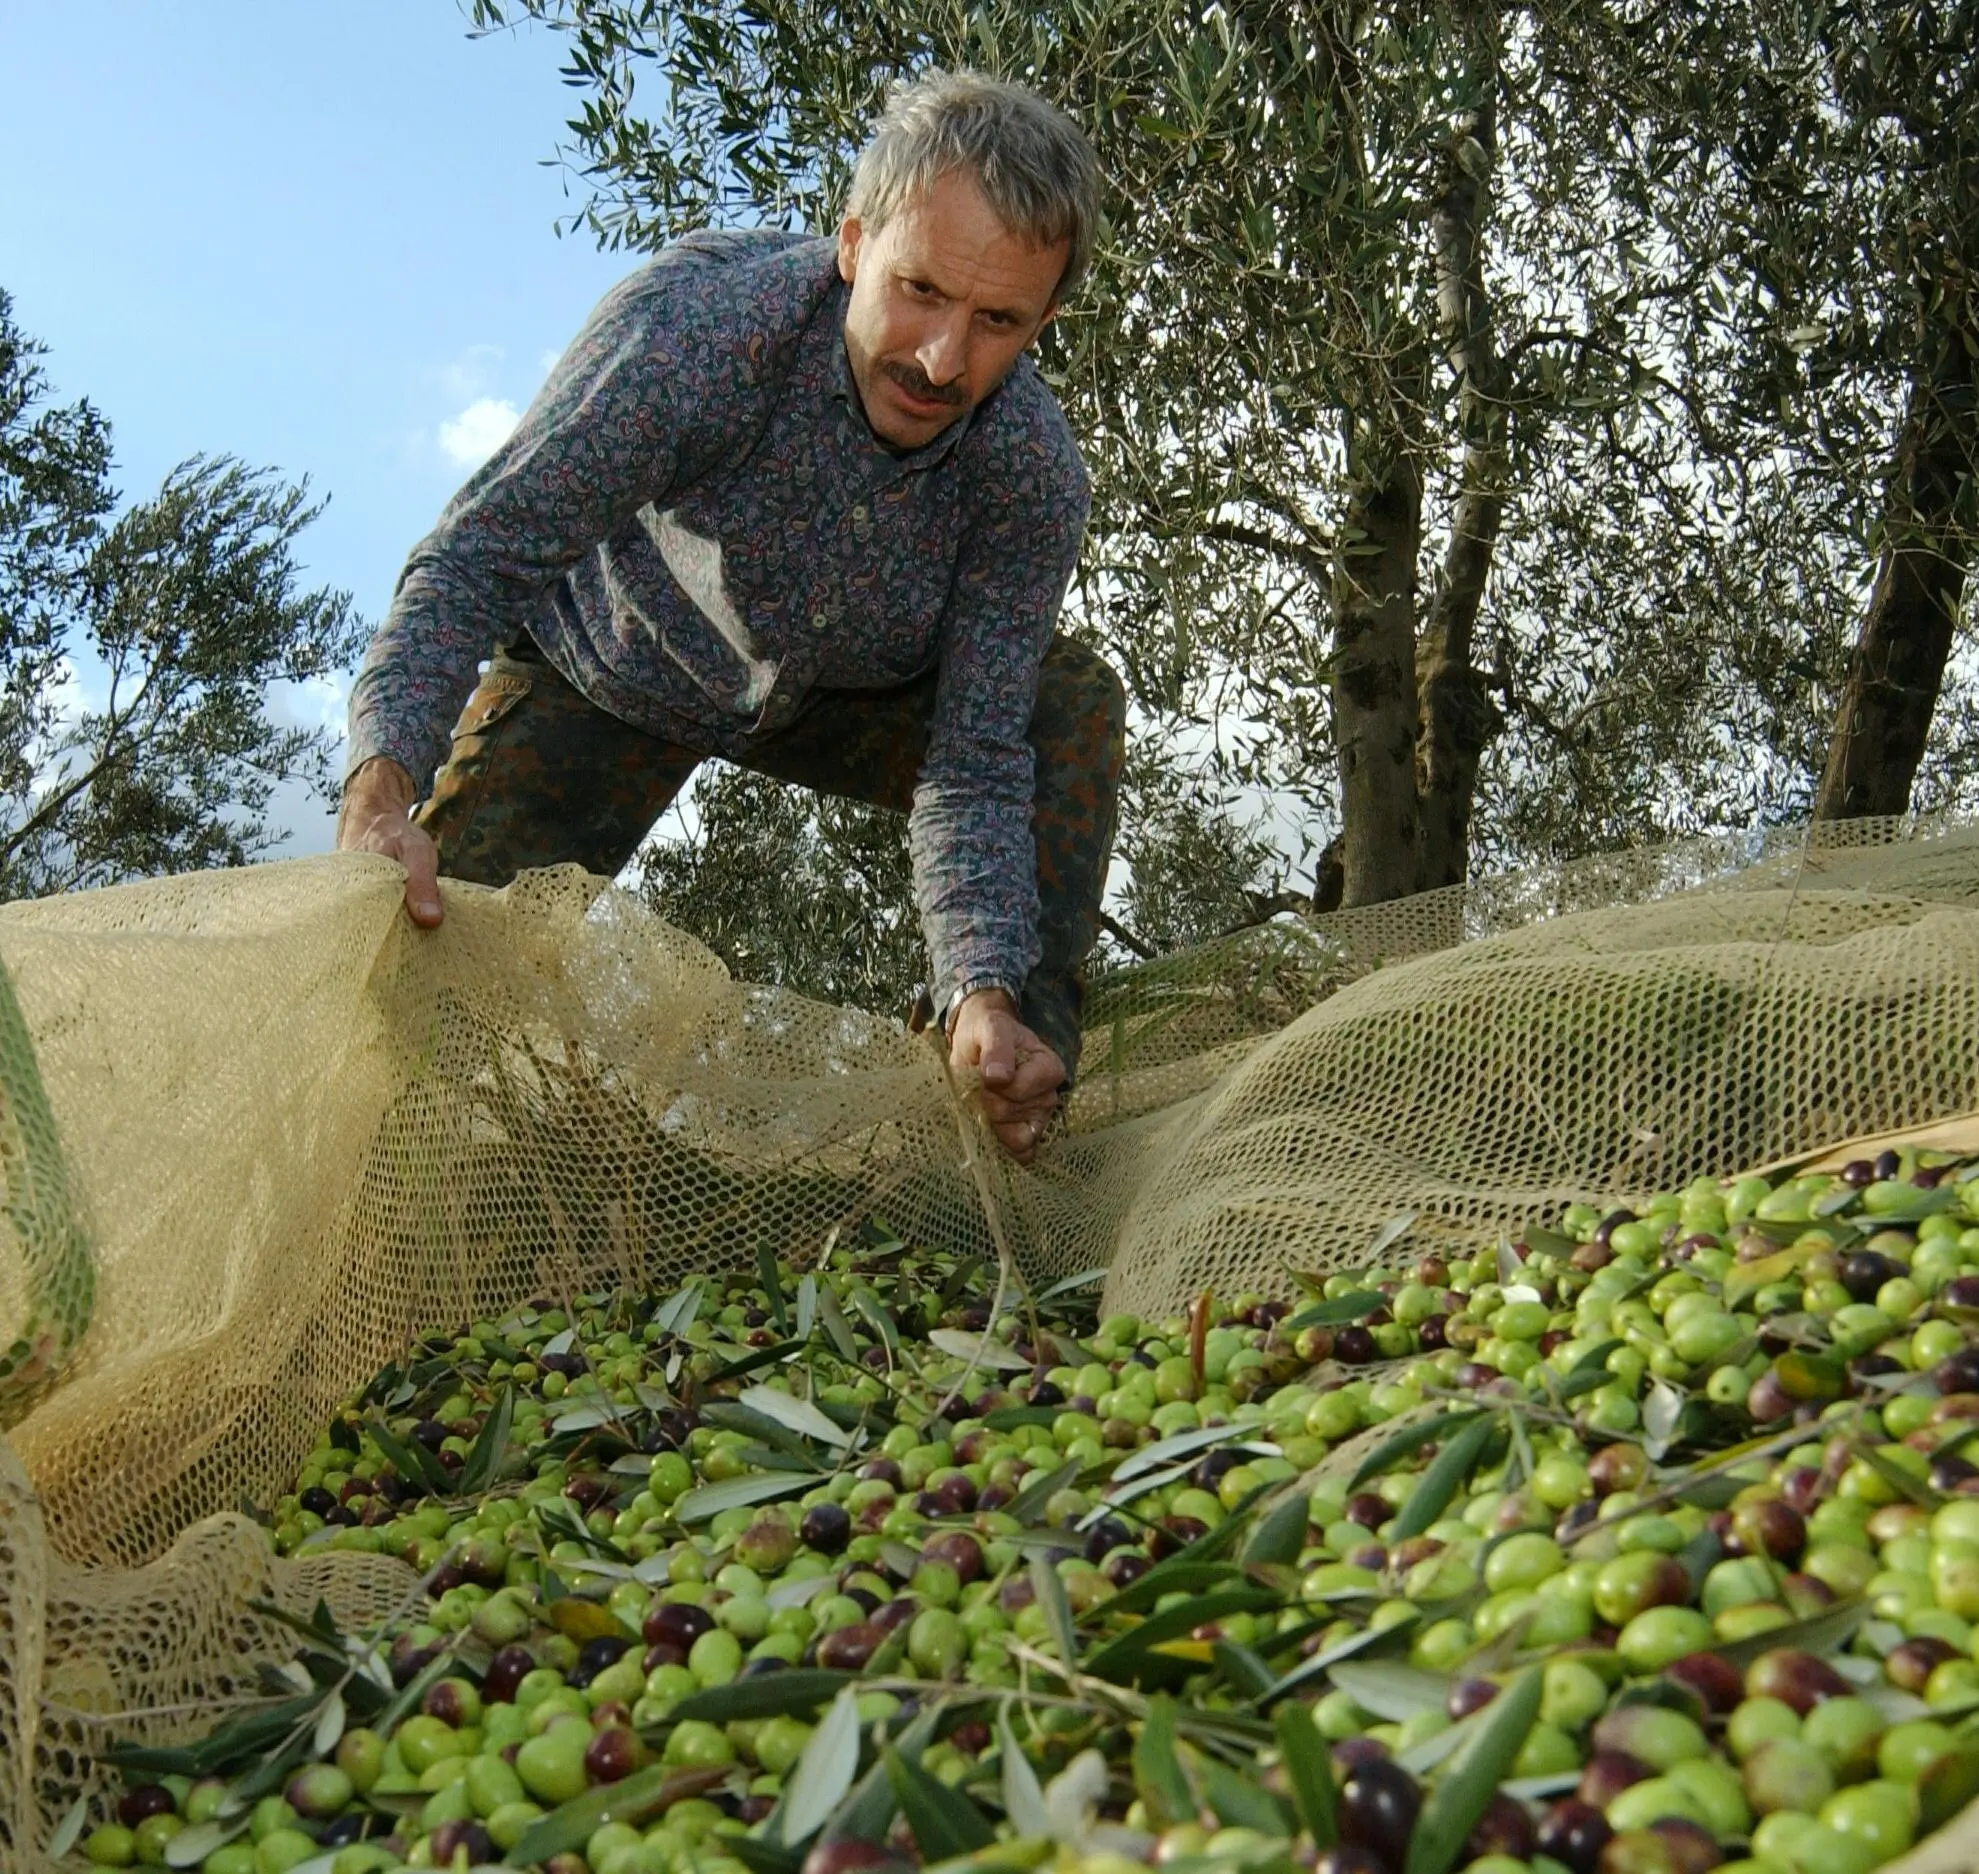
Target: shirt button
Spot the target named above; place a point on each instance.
(859, 513)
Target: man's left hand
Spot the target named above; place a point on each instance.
(1021, 1076)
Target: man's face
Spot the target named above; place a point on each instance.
(944, 300)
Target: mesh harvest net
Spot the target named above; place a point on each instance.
(256, 1133)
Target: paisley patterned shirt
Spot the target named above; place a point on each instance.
(698, 527)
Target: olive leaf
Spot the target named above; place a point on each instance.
(1336, 1311)
(190, 1846)
(1464, 1791)
(705, 1501)
(807, 1306)
(1309, 1769)
(978, 1349)
(644, 1793)
(1440, 1480)
(484, 1457)
(772, 1281)
(1023, 1798)
(824, 1773)
(1242, 1669)
(1050, 1593)
(1818, 1633)
(944, 1821)
(793, 1694)
(415, 1465)
(1411, 1438)
(1133, 1652)
(794, 1414)
(1159, 1779)
(68, 1831)
(1390, 1689)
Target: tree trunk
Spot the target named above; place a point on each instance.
(1374, 690)
(1899, 658)
(1458, 718)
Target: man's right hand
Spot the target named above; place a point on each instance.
(377, 817)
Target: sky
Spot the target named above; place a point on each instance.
(319, 238)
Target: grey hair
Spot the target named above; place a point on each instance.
(1031, 161)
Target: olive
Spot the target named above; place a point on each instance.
(677, 1623)
(1794, 1678)
(144, 1801)
(849, 1855)
(1909, 1664)
(847, 1649)
(606, 1650)
(612, 1754)
(1607, 1774)
(1504, 1828)
(1345, 1859)
(1958, 1372)
(506, 1670)
(883, 1471)
(826, 1527)
(1379, 1803)
(1354, 1346)
(460, 1843)
(963, 1553)
(1467, 1696)
(1573, 1833)
(1716, 1681)
(1864, 1271)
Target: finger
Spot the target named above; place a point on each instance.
(421, 859)
(1020, 1139)
(999, 1061)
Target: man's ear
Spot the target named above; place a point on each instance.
(849, 233)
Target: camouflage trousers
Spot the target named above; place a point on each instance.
(537, 775)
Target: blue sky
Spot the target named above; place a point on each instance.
(319, 238)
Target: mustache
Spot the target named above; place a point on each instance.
(916, 383)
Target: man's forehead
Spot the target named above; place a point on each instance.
(954, 237)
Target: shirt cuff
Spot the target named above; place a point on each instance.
(969, 987)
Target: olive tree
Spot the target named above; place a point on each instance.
(182, 609)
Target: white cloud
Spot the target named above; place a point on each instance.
(478, 431)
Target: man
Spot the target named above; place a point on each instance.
(805, 504)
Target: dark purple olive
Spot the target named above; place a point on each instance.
(1504, 1828)
(1864, 1271)
(827, 1527)
(1949, 1471)
(1379, 1803)
(1432, 1335)
(1799, 1679)
(505, 1672)
(1106, 1535)
(851, 1856)
(1886, 1165)
(352, 1826)
(1856, 1173)
(1929, 1177)
(446, 1700)
(1909, 1663)
(1173, 1534)
(1693, 1848)
(882, 1471)
(465, 1844)
(606, 1650)
(317, 1501)
(847, 1649)
(1715, 1681)
(1367, 1509)
(1467, 1696)
(767, 1662)
(612, 1754)
(1607, 1774)
(408, 1664)
(1210, 1468)
(962, 1552)
(896, 1613)
(1346, 1860)
(1125, 1567)
(1960, 1293)
(140, 1804)
(676, 1623)
(1574, 1833)
(1044, 1393)
(662, 1653)
(1354, 1346)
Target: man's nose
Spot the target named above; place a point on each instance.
(943, 351)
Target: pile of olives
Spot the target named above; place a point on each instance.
(1644, 1543)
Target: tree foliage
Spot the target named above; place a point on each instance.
(136, 651)
(1507, 414)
